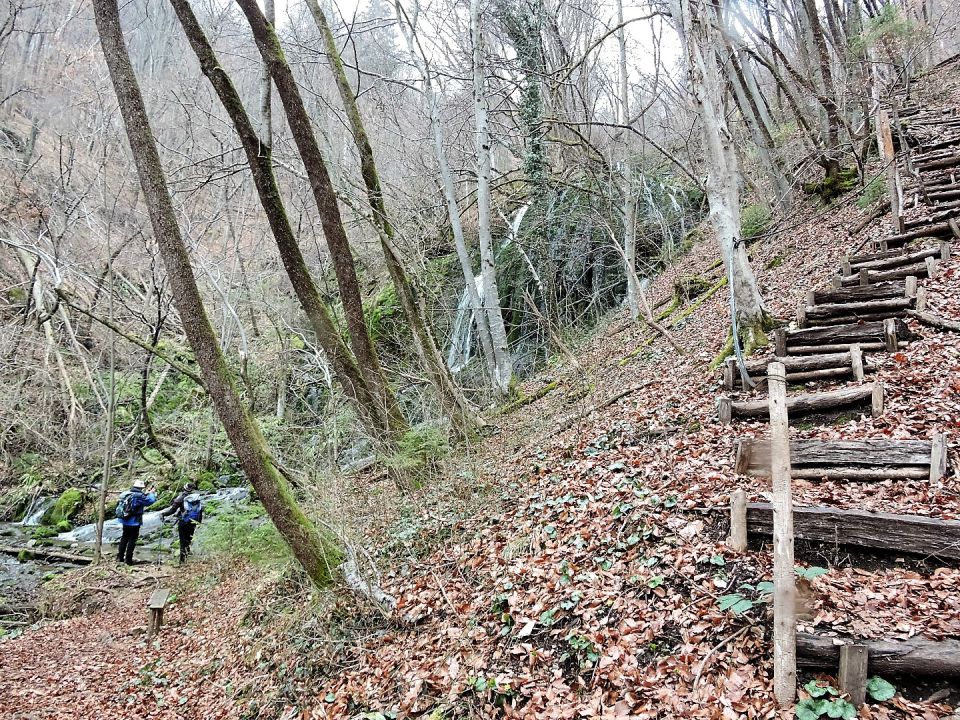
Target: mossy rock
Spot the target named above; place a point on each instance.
(43, 532)
(24, 556)
(833, 186)
(65, 508)
(64, 526)
(691, 287)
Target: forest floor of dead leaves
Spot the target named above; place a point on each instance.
(569, 566)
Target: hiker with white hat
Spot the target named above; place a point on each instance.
(130, 514)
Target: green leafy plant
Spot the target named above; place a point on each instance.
(810, 573)
(879, 689)
(586, 652)
(823, 702)
(755, 220)
(871, 193)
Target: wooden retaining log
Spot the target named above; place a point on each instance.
(874, 459)
(934, 230)
(926, 269)
(916, 656)
(866, 307)
(858, 293)
(891, 259)
(46, 553)
(866, 334)
(828, 401)
(912, 534)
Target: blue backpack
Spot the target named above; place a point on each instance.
(192, 510)
(125, 506)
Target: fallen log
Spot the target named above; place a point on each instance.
(916, 656)
(913, 534)
(809, 403)
(46, 553)
(933, 230)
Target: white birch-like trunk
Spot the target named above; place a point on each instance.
(408, 30)
(629, 197)
(700, 48)
(491, 295)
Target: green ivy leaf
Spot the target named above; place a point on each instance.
(718, 560)
(743, 606)
(810, 573)
(816, 690)
(809, 709)
(655, 582)
(728, 601)
(765, 587)
(879, 689)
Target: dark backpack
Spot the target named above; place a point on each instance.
(126, 508)
(192, 510)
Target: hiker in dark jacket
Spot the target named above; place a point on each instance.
(130, 513)
(186, 507)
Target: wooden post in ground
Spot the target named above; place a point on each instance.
(890, 334)
(784, 593)
(738, 521)
(836, 282)
(921, 303)
(853, 673)
(931, 264)
(780, 342)
(894, 189)
(856, 362)
(945, 250)
(938, 457)
(725, 410)
(864, 277)
(845, 264)
(910, 286)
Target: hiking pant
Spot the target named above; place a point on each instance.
(128, 541)
(185, 530)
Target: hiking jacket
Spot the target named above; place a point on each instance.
(178, 507)
(140, 502)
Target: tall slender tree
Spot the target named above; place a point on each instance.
(315, 550)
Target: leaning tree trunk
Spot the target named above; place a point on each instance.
(451, 399)
(316, 552)
(699, 37)
(325, 197)
(629, 197)
(259, 158)
(491, 294)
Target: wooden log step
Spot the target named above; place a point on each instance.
(912, 534)
(47, 553)
(947, 162)
(931, 230)
(828, 401)
(858, 293)
(887, 333)
(925, 269)
(850, 319)
(815, 312)
(895, 259)
(916, 656)
(855, 261)
(874, 459)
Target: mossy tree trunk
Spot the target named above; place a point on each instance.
(451, 399)
(326, 199)
(259, 158)
(316, 551)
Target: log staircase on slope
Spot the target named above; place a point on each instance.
(863, 312)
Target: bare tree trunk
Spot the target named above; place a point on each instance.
(317, 553)
(629, 197)
(111, 419)
(491, 294)
(451, 399)
(326, 199)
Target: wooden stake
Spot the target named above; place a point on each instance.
(801, 315)
(856, 362)
(836, 282)
(738, 521)
(725, 408)
(931, 264)
(944, 250)
(938, 457)
(876, 400)
(864, 277)
(845, 264)
(853, 673)
(730, 373)
(890, 334)
(910, 286)
(784, 594)
(921, 303)
(780, 341)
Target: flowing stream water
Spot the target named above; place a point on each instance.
(461, 336)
